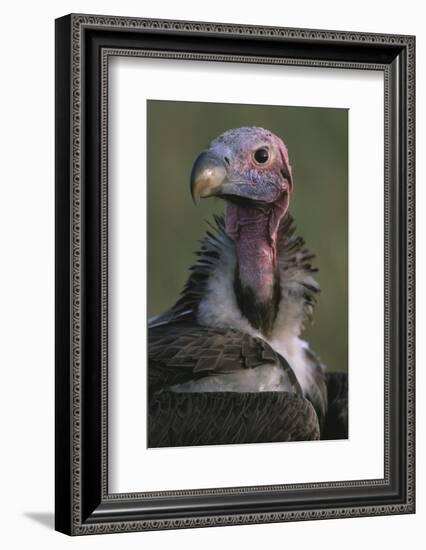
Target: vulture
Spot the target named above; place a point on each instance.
(226, 363)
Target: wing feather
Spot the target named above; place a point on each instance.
(183, 351)
(180, 419)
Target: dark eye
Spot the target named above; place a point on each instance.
(261, 155)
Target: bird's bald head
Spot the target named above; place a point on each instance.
(244, 165)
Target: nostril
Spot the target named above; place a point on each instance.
(226, 159)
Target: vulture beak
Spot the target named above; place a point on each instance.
(207, 176)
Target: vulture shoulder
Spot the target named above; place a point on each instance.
(184, 357)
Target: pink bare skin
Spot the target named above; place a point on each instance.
(254, 231)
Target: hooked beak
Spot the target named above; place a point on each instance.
(207, 176)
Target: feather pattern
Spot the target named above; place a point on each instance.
(180, 419)
(182, 354)
(208, 305)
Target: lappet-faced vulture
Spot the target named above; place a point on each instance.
(226, 362)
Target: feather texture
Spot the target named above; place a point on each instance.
(183, 352)
(179, 419)
(206, 320)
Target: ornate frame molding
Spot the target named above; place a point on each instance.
(84, 505)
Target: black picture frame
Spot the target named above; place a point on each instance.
(83, 44)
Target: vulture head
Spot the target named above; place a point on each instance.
(249, 168)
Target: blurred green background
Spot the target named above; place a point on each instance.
(317, 140)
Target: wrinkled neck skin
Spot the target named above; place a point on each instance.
(256, 283)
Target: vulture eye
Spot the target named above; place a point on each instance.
(261, 155)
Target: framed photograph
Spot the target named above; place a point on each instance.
(234, 274)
